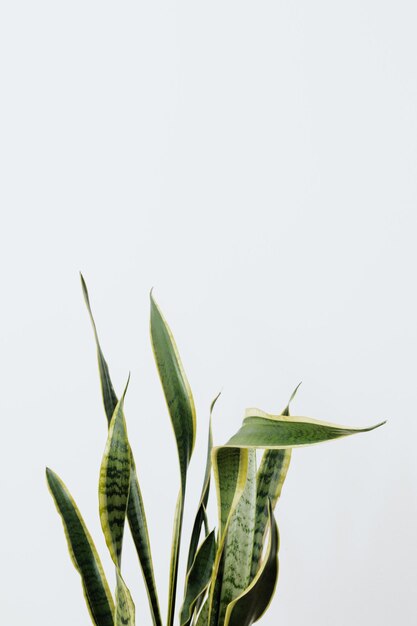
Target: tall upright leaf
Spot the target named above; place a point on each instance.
(198, 577)
(269, 481)
(181, 409)
(250, 605)
(201, 516)
(135, 507)
(83, 554)
(238, 547)
(114, 487)
(230, 469)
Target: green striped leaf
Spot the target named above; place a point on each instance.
(114, 483)
(262, 430)
(198, 577)
(181, 409)
(201, 517)
(176, 388)
(108, 393)
(239, 542)
(270, 479)
(114, 487)
(248, 607)
(230, 469)
(125, 608)
(135, 507)
(83, 554)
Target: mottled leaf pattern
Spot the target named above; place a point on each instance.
(253, 602)
(83, 553)
(269, 481)
(135, 507)
(181, 409)
(239, 542)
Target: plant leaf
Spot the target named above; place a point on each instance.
(181, 409)
(198, 576)
(270, 479)
(114, 483)
(135, 507)
(253, 602)
(176, 388)
(239, 542)
(262, 430)
(83, 553)
(230, 469)
(201, 516)
(125, 608)
(202, 618)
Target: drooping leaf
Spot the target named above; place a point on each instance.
(198, 577)
(249, 606)
(238, 546)
(270, 479)
(83, 554)
(201, 517)
(262, 430)
(181, 409)
(135, 507)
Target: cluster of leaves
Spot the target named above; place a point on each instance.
(232, 573)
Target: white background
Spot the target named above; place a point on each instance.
(256, 163)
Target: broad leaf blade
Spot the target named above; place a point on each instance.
(83, 554)
(253, 602)
(230, 469)
(181, 409)
(135, 508)
(239, 542)
(262, 430)
(198, 576)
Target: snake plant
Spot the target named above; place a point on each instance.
(231, 572)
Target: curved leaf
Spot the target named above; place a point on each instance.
(181, 408)
(261, 430)
(83, 553)
(135, 507)
(253, 602)
(198, 577)
(201, 516)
